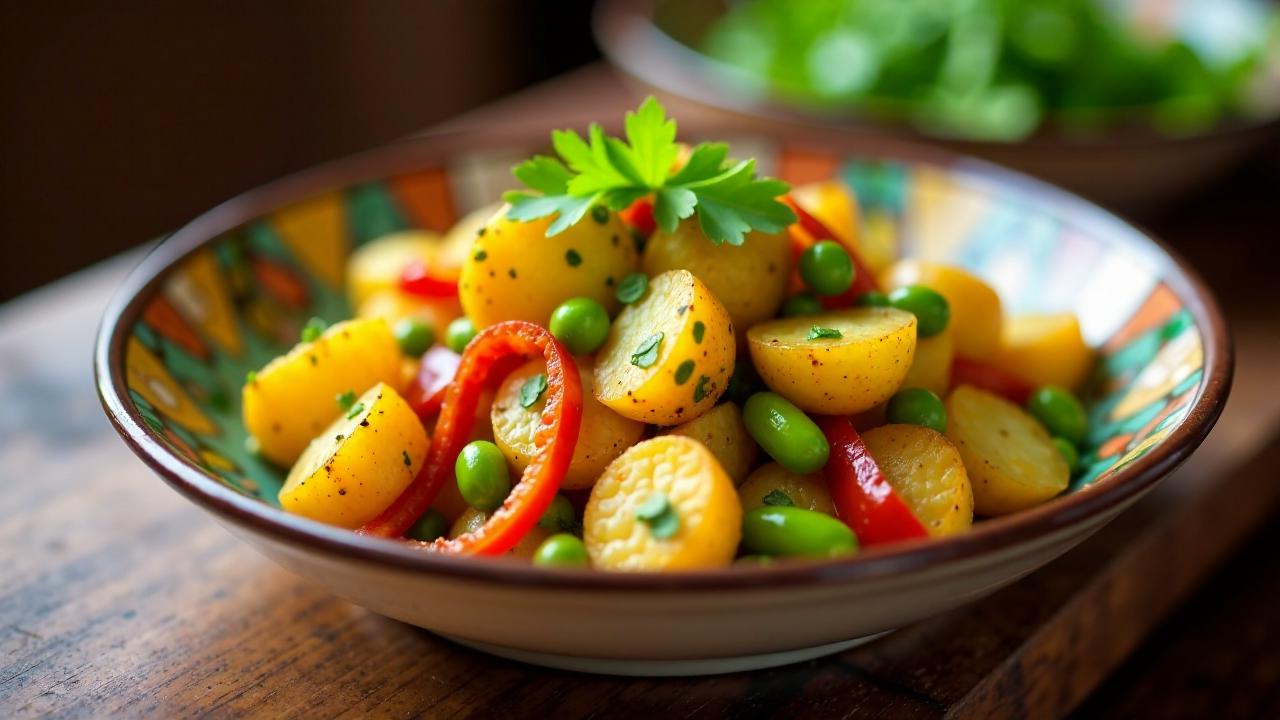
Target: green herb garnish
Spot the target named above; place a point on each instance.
(684, 372)
(250, 377)
(313, 329)
(632, 288)
(700, 390)
(728, 198)
(646, 353)
(355, 410)
(657, 512)
(816, 332)
(777, 498)
(699, 329)
(532, 390)
(345, 400)
(572, 257)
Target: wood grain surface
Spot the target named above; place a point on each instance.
(119, 598)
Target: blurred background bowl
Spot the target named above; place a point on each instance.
(1127, 163)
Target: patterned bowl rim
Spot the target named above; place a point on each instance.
(987, 537)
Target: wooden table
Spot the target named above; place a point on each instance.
(118, 598)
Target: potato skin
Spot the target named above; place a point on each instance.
(931, 368)
(604, 434)
(698, 490)
(292, 399)
(806, 491)
(515, 272)
(1045, 349)
(1011, 461)
(976, 314)
(724, 433)
(926, 471)
(837, 376)
(696, 333)
(357, 466)
(750, 280)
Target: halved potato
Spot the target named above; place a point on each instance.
(377, 265)
(1011, 460)
(687, 481)
(842, 375)
(472, 519)
(604, 435)
(804, 491)
(669, 355)
(359, 464)
(976, 314)
(724, 433)
(926, 471)
(931, 368)
(1045, 349)
(750, 279)
(291, 400)
(515, 272)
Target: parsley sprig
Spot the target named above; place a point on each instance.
(727, 197)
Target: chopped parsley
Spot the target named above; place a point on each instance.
(313, 329)
(777, 497)
(532, 389)
(572, 257)
(480, 256)
(816, 333)
(700, 390)
(646, 353)
(600, 214)
(657, 512)
(355, 410)
(251, 377)
(684, 372)
(345, 400)
(632, 288)
(699, 330)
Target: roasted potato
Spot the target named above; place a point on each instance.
(976, 314)
(603, 437)
(1045, 350)
(472, 519)
(1010, 458)
(669, 355)
(377, 265)
(664, 504)
(931, 368)
(515, 272)
(804, 491)
(721, 429)
(750, 280)
(853, 372)
(926, 471)
(358, 465)
(288, 402)
(393, 305)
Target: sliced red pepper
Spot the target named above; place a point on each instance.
(417, 279)
(639, 215)
(986, 376)
(489, 353)
(811, 230)
(436, 370)
(863, 499)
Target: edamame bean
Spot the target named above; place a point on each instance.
(582, 324)
(459, 333)
(1069, 453)
(559, 515)
(781, 530)
(801, 304)
(917, 406)
(826, 268)
(414, 336)
(1060, 412)
(430, 526)
(482, 475)
(561, 550)
(786, 433)
(930, 308)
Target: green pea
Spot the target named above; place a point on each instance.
(781, 530)
(430, 526)
(917, 406)
(1060, 412)
(415, 337)
(482, 475)
(801, 304)
(459, 333)
(872, 298)
(1069, 453)
(786, 433)
(582, 324)
(559, 515)
(826, 268)
(930, 308)
(561, 550)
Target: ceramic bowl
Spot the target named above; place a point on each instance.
(653, 42)
(230, 290)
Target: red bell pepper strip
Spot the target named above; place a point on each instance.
(863, 499)
(639, 215)
(556, 439)
(811, 231)
(416, 279)
(985, 376)
(435, 372)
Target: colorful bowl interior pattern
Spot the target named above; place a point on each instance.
(239, 300)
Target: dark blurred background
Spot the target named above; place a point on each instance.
(120, 120)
